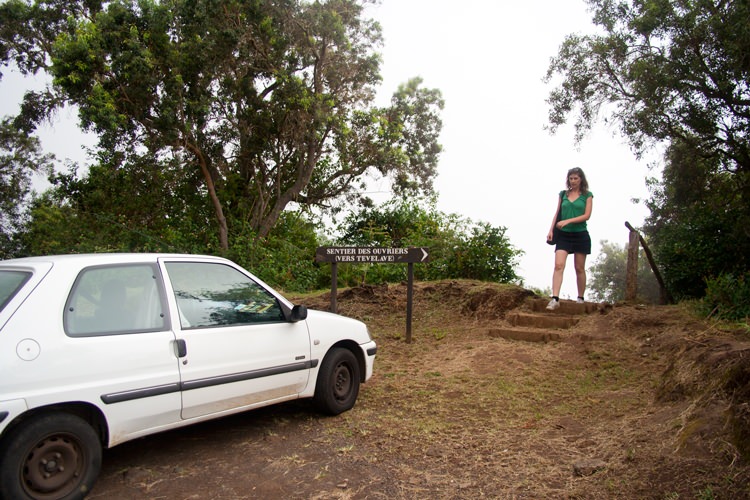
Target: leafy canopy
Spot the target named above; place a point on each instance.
(269, 102)
(662, 70)
(20, 157)
(698, 225)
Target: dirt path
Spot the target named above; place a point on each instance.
(461, 414)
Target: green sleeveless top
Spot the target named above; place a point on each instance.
(573, 209)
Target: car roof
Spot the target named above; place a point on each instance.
(102, 258)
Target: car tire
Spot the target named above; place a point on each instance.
(50, 456)
(337, 386)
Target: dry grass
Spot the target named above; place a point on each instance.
(457, 414)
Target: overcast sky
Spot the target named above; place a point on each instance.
(499, 165)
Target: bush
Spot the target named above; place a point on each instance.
(728, 297)
(285, 259)
(459, 247)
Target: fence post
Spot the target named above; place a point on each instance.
(334, 287)
(631, 276)
(665, 296)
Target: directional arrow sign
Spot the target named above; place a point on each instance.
(384, 255)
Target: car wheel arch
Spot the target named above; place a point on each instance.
(352, 346)
(85, 411)
(50, 454)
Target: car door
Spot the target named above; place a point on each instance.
(122, 352)
(238, 349)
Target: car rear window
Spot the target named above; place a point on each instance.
(10, 283)
(108, 300)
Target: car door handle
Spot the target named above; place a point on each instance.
(181, 348)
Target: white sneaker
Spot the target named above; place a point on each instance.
(553, 304)
(579, 300)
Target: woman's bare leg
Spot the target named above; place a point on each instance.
(557, 276)
(579, 261)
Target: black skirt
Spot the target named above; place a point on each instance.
(574, 242)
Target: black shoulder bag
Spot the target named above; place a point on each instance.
(555, 231)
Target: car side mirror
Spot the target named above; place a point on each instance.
(299, 313)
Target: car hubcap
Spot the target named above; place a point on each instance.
(53, 466)
(342, 382)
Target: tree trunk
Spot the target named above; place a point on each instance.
(218, 209)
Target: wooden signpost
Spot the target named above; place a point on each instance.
(374, 255)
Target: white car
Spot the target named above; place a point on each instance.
(99, 349)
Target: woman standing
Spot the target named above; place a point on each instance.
(574, 206)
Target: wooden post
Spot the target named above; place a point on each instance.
(409, 301)
(631, 276)
(665, 296)
(334, 286)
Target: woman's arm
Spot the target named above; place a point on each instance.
(581, 218)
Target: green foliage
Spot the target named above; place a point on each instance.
(728, 297)
(480, 252)
(698, 222)
(608, 275)
(114, 210)
(459, 248)
(146, 207)
(663, 71)
(262, 104)
(285, 258)
(20, 157)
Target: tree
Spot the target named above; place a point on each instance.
(698, 222)
(608, 273)
(677, 73)
(270, 102)
(149, 206)
(663, 70)
(20, 157)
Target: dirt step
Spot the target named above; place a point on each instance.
(524, 335)
(556, 321)
(566, 307)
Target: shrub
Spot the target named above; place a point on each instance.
(459, 248)
(728, 297)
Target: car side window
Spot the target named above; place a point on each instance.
(210, 294)
(114, 300)
(10, 283)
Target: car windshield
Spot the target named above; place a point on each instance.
(10, 283)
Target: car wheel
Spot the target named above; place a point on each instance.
(52, 456)
(337, 387)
